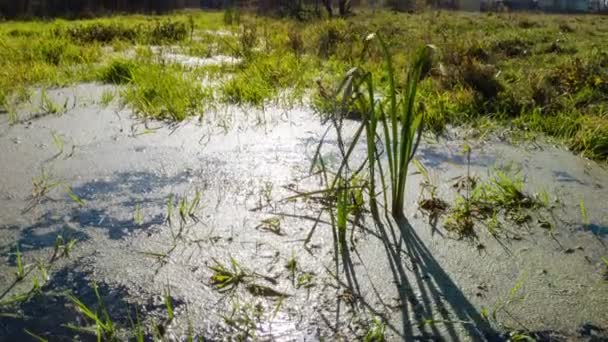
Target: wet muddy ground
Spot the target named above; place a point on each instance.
(423, 281)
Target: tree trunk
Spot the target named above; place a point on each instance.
(344, 6)
(328, 7)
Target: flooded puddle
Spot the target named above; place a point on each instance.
(124, 176)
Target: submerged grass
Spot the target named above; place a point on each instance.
(503, 192)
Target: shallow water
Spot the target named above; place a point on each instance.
(244, 161)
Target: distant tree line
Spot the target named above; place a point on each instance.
(85, 8)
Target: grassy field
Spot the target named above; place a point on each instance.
(531, 73)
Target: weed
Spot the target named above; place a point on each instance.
(292, 267)
(118, 71)
(432, 205)
(375, 332)
(262, 77)
(584, 215)
(20, 273)
(138, 216)
(502, 304)
(104, 327)
(107, 97)
(13, 115)
(264, 291)
(504, 190)
(35, 337)
(295, 41)
(169, 305)
(227, 278)
(73, 196)
(543, 197)
(342, 211)
(493, 224)
(58, 142)
(48, 106)
(137, 328)
(62, 248)
(517, 337)
(170, 204)
(102, 33)
(248, 39)
(244, 318)
(195, 204)
(43, 185)
(272, 225)
(167, 31)
(305, 280)
(460, 218)
(481, 78)
(164, 93)
(266, 192)
(402, 126)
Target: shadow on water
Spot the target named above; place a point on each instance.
(434, 157)
(597, 230)
(30, 237)
(47, 314)
(438, 289)
(134, 183)
(427, 301)
(439, 301)
(132, 188)
(563, 176)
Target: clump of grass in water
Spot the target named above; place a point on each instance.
(48, 106)
(20, 273)
(402, 125)
(107, 97)
(503, 192)
(433, 205)
(292, 267)
(118, 71)
(165, 93)
(375, 332)
(227, 278)
(104, 328)
(272, 225)
(42, 185)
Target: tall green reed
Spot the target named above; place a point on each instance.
(395, 112)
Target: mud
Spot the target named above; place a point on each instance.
(423, 281)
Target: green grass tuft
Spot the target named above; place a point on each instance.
(118, 71)
(165, 93)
